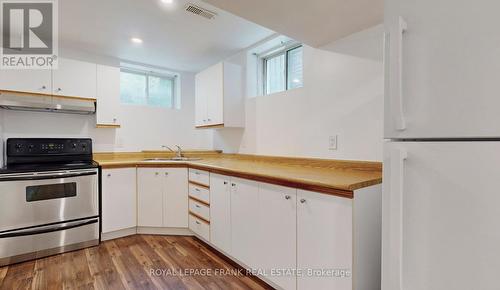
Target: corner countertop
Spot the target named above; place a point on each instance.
(336, 177)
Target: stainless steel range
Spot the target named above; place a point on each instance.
(49, 198)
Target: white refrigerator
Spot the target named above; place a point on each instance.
(441, 188)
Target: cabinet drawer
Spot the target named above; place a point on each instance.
(199, 209)
(199, 193)
(199, 227)
(199, 176)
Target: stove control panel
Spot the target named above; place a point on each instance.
(44, 146)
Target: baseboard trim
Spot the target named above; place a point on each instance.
(164, 231)
(118, 234)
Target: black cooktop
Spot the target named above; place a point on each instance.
(47, 154)
(38, 167)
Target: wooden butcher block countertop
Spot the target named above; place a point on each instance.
(337, 177)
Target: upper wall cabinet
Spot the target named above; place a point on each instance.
(219, 97)
(108, 96)
(37, 81)
(74, 78)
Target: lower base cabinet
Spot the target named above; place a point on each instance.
(162, 197)
(324, 241)
(277, 218)
(118, 199)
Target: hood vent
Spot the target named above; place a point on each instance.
(46, 103)
(195, 9)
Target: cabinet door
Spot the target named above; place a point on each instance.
(150, 184)
(27, 80)
(175, 198)
(201, 96)
(278, 230)
(74, 78)
(215, 94)
(108, 94)
(442, 71)
(220, 212)
(118, 199)
(244, 221)
(324, 240)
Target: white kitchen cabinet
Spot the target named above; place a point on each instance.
(245, 245)
(118, 199)
(220, 212)
(324, 240)
(219, 97)
(277, 218)
(162, 197)
(108, 96)
(74, 78)
(27, 80)
(175, 198)
(150, 182)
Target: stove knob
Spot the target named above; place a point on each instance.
(73, 145)
(19, 146)
(31, 146)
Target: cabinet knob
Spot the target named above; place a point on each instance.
(197, 206)
(233, 184)
(197, 189)
(166, 173)
(287, 197)
(209, 119)
(302, 201)
(59, 89)
(43, 87)
(114, 120)
(157, 173)
(225, 182)
(204, 120)
(198, 223)
(109, 174)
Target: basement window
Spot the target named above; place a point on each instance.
(283, 70)
(148, 88)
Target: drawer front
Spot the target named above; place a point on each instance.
(199, 192)
(199, 209)
(199, 227)
(199, 176)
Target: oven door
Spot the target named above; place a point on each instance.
(38, 198)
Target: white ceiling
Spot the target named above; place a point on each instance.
(173, 38)
(314, 22)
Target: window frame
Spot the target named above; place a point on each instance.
(147, 74)
(284, 52)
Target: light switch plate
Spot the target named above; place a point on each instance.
(332, 142)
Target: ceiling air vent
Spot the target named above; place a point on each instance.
(195, 9)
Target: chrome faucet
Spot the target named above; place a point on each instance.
(179, 151)
(168, 148)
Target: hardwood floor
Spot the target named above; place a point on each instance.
(135, 262)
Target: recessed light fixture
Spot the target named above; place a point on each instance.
(167, 1)
(136, 40)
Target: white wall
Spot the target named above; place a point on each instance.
(142, 127)
(342, 95)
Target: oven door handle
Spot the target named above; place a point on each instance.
(47, 229)
(44, 177)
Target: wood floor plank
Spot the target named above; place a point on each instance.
(134, 262)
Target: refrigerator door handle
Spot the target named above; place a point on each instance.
(396, 72)
(398, 158)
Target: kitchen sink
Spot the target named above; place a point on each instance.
(171, 159)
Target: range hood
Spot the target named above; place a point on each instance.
(46, 103)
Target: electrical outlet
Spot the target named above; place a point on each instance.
(332, 142)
